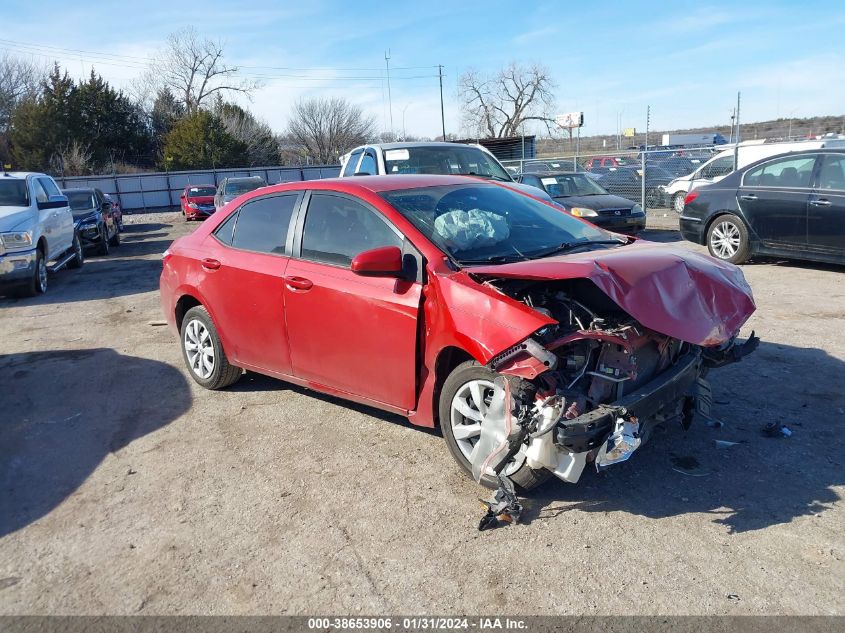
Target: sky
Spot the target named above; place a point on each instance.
(686, 60)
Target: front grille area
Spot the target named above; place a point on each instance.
(622, 213)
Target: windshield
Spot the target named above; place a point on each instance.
(237, 187)
(13, 193)
(81, 200)
(457, 160)
(571, 185)
(490, 224)
(196, 192)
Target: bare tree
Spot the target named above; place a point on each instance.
(74, 159)
(192, 67)
(19, 79)
(262, 147)
(498, 105)
(326, 128)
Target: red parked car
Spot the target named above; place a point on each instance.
(197, 201)
(537, 341)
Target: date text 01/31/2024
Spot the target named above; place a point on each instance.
(416, 623)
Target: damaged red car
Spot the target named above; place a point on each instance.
(539, 343)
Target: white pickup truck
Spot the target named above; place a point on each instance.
(36, 230)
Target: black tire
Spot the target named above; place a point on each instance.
(526, 477)
(727, 239)
(115, 239)
(678, 202)
(103, 243)
(78, 253)
(223, 373)
(37, 284)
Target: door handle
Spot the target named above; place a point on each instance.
(823, 202)
(298, 283)
(748, 196)
(210, 264)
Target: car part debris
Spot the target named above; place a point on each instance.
(725, 444)
(773, 429)
(621, 444)
(503, 509)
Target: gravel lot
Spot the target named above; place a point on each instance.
(126, 488)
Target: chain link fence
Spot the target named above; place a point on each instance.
(643, 177)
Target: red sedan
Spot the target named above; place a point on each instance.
(538, 342)
(197, 201)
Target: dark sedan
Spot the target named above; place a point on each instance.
(583, 197)
(627, 182)
(791, 205)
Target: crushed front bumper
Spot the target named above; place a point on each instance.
(590, 429)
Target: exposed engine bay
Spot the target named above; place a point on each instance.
(589, 389)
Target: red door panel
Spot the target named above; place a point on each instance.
(246, 290)
(353, 333)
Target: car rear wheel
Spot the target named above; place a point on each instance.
(203, 351)
(78, 253)
(727, 239)
(678, 201)
(463, 408)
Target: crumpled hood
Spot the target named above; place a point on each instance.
(12, 217)
(599, 202)
(671, 290)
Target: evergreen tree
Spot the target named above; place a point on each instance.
(200, 141)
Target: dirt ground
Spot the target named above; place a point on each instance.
(126, 488)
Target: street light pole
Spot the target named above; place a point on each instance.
(442, 114)
(389, 98)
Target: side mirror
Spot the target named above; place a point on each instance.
(54, 202)
(379, 262)
(182, 196)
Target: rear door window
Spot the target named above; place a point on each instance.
(832, 172)
(262, 225)
(352, 163)
(337, 229)
(794, 172)
(368, 164)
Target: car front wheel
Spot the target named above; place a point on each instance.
(727, 239)
(103, 242)
(463, 406)
(78, 254)
(203, 351)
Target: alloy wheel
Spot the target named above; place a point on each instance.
(199, 349)
(468, 411)
(725, 239)
(42, 275)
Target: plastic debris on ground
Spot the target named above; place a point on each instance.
(725, 444)
(774, 429)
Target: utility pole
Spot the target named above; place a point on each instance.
(389, 98)
(736, 147)
(645, 150)
(442, 114)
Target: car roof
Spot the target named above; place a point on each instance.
(78, 190)
(20, 175)
(378, 184)
(207, 185)
(400, 145)
(231, 178)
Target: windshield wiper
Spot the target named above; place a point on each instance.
(570, 246)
